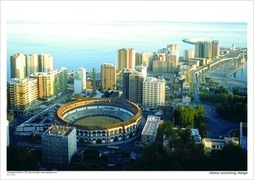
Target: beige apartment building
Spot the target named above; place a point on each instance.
(108, 77)
(18, 66)
(126, 59)
(189, 54)
(22, 94)
(51, 84)
(32, 64)
(45, 62)
(23, 66)
(215, 49)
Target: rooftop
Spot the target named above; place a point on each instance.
(58, 131)
(151, 125)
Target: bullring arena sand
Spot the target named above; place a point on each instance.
(95, 120)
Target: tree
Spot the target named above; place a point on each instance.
(185, 116)
(200, 121)
(230, 158)
(18, 159)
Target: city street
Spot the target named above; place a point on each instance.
(217, 127)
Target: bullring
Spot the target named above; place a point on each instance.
(126, 114)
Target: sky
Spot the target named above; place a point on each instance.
(83, 11)
(59, 12)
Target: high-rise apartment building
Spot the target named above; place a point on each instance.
(215, 49)
(199, 52)
(94, 81)
(135, 87)
(45, 83)
(24, 65)
(51, 84)
(79, 80)
(22, 94)
(207, 49)
(59, 144)
(144, 59)
(153, 92)
(173, 50)
(126, 79)
(108, 77)
(164, 66)
(32, 64)
(18, 66)
(126, 59)
(60, 81)
(189, 54)
(142, 70)
(45, 62)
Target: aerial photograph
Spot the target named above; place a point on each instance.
(126, 89)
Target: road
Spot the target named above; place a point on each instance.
(217, 127)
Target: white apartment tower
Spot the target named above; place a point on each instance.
(79, 80)
(153, 94)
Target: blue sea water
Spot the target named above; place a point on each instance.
(88, 45)
(241, 74)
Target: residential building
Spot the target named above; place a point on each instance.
(199, 52)
(18, 66)
(173, 50)
(149, 131)
(50, 84)
(160, 66)
(207, 48)
(59, 144)
(79, 80)
(153, 94)
(60, 81)
(94, 81)
(142, 70)
(189, 54)
(144, 59)
(45, 83)
(126, 59)
(22, 94)
(215, 49)
(45, 62)
(135, 87)
(126, 80)
(32, 64)
(108, 77)
(218, 144)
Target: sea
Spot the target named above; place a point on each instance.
(91, 44)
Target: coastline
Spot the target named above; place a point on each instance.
(222, 73)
